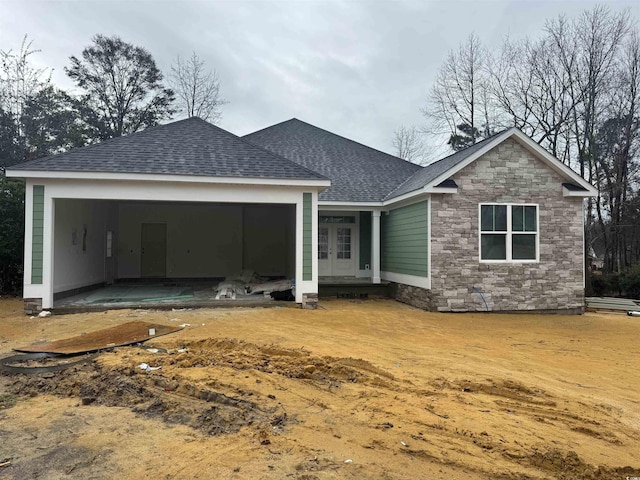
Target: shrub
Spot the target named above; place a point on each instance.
(607, 284)
(630, 282)
(598, 285)
(11, 235)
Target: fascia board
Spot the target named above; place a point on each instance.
(440, 190)
(349, 205)
(407, 197)
(572, 193)
(148, 177)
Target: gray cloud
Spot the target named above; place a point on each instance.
(357, 68)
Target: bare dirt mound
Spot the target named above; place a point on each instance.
(170, 395)
(288, 362)
(209, 411)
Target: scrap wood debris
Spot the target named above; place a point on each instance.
(249, 282)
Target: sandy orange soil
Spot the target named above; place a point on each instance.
(356, 389)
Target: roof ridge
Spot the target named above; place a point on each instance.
(356, 142)
(253, 145)
(294, 119)
(269, 126)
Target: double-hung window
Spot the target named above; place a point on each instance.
(508, 233)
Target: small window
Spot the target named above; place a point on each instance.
(337, 219)
(344, 243)
(508, 233)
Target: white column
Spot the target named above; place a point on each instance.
(299, 284)
(314, 241)
(375, 246)
(48, 251)
(28, 241)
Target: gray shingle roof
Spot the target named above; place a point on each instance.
(429, 173)
(358, 173)
(185, 147)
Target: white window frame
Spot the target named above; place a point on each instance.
(509, 233)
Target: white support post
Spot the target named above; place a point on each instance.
(48, 251)
(28, 235)
(375, 246)
(299, 234)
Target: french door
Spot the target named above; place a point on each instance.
(336, 256)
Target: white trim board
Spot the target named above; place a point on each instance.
(154, 177)
(412, 280)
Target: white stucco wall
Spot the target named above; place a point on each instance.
(78, 261)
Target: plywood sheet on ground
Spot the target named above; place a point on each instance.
(125, 334)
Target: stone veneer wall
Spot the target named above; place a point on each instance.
(414, 296)
(507, 174)
(32, 306)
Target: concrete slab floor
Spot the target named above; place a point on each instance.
(162, 295)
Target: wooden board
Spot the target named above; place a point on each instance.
(125, 334)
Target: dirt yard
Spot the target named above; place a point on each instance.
(357, 389)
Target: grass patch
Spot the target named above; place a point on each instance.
(7, 400)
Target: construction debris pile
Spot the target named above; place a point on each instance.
(249, 282)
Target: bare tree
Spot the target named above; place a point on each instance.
(458, 103)
(587, 48)
(409, 145)
(531, 88)
(616, 162)
(198, 90)
(20, 80)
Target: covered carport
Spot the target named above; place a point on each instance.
(171, 248)
(193, 203)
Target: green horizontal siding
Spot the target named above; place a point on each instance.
(37, 234)
(307, 239)
(365, 239)
(404, 234)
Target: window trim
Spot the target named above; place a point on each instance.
(509, 233)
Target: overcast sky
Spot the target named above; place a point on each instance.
(357, 68)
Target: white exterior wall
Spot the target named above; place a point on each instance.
(75, 266)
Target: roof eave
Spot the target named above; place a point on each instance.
(422, 192)
(342, 205)
(154, 177)
(579, 193)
